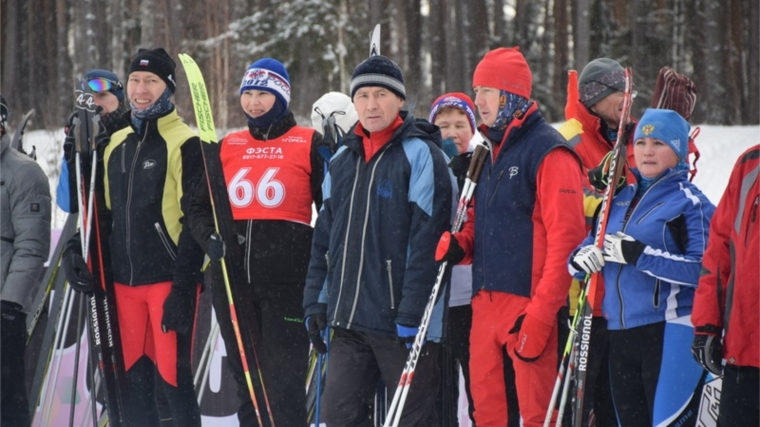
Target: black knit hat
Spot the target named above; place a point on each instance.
(599, 79)
(378, 71)
(158, 62)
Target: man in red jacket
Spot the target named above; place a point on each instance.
(528, 216)
(726, 300)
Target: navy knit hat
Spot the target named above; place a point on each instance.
(269, 75)
(102, 81)
(599, 79)
(667, 126)
(378, 71)
(158, 62)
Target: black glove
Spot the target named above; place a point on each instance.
(75, 268)
(707, 348)
(460, 164)
(449, 250)
(11, 311)
(12, 327)
(315, 324)
(179, 307)
(215, 248)
(598, 176)
(69, 144)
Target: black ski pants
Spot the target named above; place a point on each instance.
(282, 347)
(739, 396)
(14, 407)
(358, 360)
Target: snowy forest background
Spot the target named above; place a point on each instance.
(47, 44)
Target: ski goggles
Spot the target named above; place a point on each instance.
(100, 84)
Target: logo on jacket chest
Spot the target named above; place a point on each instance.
(149, 164)
(513, 171)
(385, 189)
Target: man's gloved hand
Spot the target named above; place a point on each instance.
(179, 307)
(589, 259)
(407, 334)
(707, 348)
(449, 250)
(599, 175)
(529, 337)
(70, 141)
(74, 267)
(622, 248)
(215, 248)
(315, 324)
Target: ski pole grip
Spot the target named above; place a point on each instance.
(478, 157)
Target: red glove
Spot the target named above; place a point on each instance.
(529, 337)
(449, 250)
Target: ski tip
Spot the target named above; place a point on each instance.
(374, 41)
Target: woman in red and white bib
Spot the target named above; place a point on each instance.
(272, 174)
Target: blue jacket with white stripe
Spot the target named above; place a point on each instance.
(672, 218)
(374, 241)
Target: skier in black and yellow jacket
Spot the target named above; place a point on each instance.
(149, 170)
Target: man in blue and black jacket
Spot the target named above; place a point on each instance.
(387, 198)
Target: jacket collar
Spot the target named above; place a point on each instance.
(275, 130)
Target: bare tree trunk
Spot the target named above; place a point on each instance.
(413, 76)
(438, 46)
(752, 31)
(582, 35)
(453, 48)
(147, 23)
(63, 64)
(561, 56)
(716, 93)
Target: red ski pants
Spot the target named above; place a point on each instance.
(140, 310)
(493, 315)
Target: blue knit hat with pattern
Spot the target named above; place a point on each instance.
(269, 75)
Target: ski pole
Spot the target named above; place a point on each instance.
(601, 227)
(393, 417)
(564, 369)
(204, 364)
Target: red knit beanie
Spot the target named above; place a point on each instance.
(504, 68)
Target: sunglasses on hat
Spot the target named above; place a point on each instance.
(100, 84)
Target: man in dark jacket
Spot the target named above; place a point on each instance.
(24, 246)
(387, 198)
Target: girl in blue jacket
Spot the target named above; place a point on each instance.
(656, 235)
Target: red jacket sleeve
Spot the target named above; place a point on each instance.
(559, 226)
(716, 261)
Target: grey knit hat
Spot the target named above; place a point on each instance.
(599, 79)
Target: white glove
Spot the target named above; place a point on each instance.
(589, 259)
(622, 248)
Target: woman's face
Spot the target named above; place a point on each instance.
(256, 103)
(455, 124)
(653, 156)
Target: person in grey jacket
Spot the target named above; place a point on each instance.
(24, 247)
